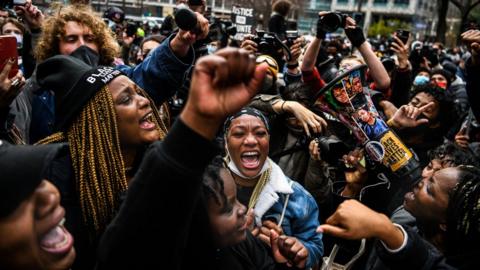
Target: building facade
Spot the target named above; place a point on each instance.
(422, 14)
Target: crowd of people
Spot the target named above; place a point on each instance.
(124, 147)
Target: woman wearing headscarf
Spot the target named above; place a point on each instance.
(278, 202)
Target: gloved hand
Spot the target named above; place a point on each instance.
(355, 35)
(320, 33)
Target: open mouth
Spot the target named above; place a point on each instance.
(409, 196)
(147, 122)
(250, 160)
(58, 240)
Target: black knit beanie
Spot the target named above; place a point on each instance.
(444, 73)
(74, 84)
(22, 168)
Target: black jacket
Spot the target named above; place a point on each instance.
(161, 224)
(419, 254)
(473, 84)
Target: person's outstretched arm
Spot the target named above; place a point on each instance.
(377, 70)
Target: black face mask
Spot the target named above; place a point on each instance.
(87, 55)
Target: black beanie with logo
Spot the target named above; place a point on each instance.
(74, 84)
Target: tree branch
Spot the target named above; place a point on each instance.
(472, 6)
(457, 4)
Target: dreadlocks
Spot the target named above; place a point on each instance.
(97, 157)
(463, 214)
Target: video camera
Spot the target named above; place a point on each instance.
(268, 43)
(330, 22)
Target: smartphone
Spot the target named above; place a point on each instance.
(403, 35)
(8, 50)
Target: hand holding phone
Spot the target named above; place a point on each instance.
(403, 35)
(8, 52)
(11, 80)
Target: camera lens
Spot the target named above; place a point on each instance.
(331, 148)
(331, 22)
(264, 46)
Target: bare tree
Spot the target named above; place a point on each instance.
(442, 22)
(465, 7)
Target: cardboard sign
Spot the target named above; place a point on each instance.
(244, 20)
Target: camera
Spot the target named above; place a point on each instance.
(268, 43)
(330, 22)
(291, 36)
(114, 14)
(331, 148)
(430, 53)
(425, 51)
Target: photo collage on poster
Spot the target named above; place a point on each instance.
(347, 101)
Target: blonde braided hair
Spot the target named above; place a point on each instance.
(97, 159)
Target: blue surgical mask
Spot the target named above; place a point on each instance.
(211, 48)
(421, 80)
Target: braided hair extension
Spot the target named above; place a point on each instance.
(463, 213)
(97, 158)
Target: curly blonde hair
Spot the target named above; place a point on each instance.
(53, 30)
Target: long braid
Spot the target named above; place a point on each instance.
(97, 158)
(463, 214)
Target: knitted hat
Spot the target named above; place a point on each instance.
(450, 67)
(22, 168)
(444, 73)
(74, 84)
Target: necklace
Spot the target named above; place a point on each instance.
(264, 178)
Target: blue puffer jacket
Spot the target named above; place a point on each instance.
(162, 73)
(301, 214)
(301, 221)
